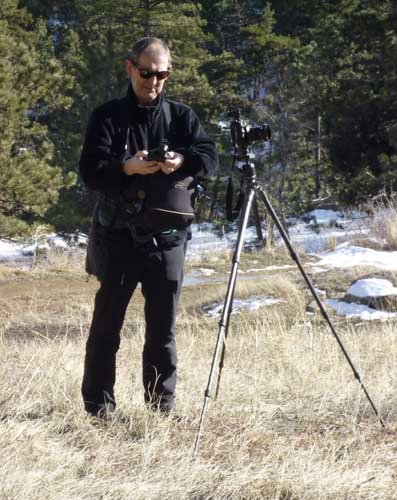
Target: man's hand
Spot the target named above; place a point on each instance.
(173, 162)
(138, 165)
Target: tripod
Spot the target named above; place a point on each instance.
(252, 188)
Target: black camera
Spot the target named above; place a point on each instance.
(159, 153)
(243, 135)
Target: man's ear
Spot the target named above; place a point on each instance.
(128, 67)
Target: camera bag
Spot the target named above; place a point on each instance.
(169, 201)
(97, 255)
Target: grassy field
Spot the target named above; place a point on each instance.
(290, 423)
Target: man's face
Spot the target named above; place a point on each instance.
(147, 89)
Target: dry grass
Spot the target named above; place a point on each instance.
(221, 261)
(291, 422)
(391, 230)
(332, 243)
(383, 209)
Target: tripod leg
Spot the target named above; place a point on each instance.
(224, 321)
(324, 313)
(222, 359)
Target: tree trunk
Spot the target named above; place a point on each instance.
(146, 18)
(318, 158)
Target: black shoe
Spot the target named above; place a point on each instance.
(105, 412)
(161, 408)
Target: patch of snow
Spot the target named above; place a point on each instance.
(81, 239)
(249, 235)
(223, 124)
(57, 241)
(252, 303)
(29, 250)
(348, 256)
(325, 217)
(310, 242)
(205, 241)
(365, 313)
(10, 251)
(372, 287)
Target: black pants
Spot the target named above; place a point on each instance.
(158, 266)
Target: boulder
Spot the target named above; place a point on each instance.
(377, 293)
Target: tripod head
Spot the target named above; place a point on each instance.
(244, 135)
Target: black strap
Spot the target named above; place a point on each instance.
(167, 113)
(232, 213)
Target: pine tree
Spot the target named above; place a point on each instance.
(347, 59)
(32, 84)
(354, 68)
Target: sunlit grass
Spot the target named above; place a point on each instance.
(290, 422)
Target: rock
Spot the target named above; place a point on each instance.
(373, 292)
(312, 307)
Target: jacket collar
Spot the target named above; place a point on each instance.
(141, 113)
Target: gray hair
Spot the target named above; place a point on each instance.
(144, 43)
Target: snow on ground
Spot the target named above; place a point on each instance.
(325, 226)
(205, 240)
(309, 242)
(310, 234)
(304, 234)
(10, 251)
(347, 256)
(370, 287)
(358, 311)
(326, 217)
(252, 303)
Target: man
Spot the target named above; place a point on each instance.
(118, 137)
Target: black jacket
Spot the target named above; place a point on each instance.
(123, 121)
(112, 127)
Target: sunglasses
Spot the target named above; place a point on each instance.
(146, 74)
